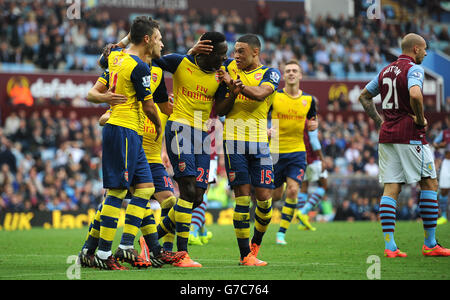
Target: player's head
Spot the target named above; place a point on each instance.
(246, 51)
(292, 72)
(213, 61)
(415, 46)
(145, 31)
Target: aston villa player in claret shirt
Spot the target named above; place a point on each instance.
(404, 154)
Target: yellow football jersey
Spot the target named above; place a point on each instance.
(288, 115)
(247, 120)
(147, 129)
(129, 76)
(194, 90)
(151, 147)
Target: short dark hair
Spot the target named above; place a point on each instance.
(251, 39)
(214, 36)
(141, 27)
(293, 62)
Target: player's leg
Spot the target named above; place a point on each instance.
(288, 210)
(198, 220)
(302, 197)
(236, 166)
(261, 172)
(387, 211)
(167, 201)
(428, 208)
(87, 253)
(204, 234)
(164, 194)
(279, 171)
(108, 225)
(294, 169)
(180, 150)
(418, 163)
(316, 196)
(115, 179)
(392, 175)
(141, 178)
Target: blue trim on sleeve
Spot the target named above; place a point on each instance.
(314, 139)
(415, 76)
(372, 86)
(141, 77)
(439, 138)
(170, 62)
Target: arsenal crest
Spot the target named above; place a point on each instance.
(181, 166)
(258, 76)
(154, 77)
(232, 176)
(125, 175)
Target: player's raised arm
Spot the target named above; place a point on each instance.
(201, 47)
(100, 93)
(259, 93)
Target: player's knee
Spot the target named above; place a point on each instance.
(144, 193)
(188, 194)
(263, 194)
(429, 184)
(292, 192)
(277, 194)
(187, 191)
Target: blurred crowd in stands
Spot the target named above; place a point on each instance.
(53, 162)
(39, 33)
(50, 161)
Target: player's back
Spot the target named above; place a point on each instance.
(394, 82)
(127, 77)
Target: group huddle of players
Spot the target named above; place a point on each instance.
(266, 135)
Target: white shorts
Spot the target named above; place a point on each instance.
(405, 163)
(444, 174)
(314, 171)
(213, 163)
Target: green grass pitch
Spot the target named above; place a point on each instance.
(336, 250)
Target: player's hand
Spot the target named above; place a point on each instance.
(223, 76)
(113, 98)
(313, 124)
(425, 122)
(236, 86)
(107, 49)
(158, 130)
(378, 125)
(165, 159)
(201, 47)
(271, 132)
